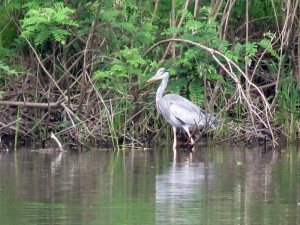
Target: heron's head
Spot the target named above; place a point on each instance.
(161, 74)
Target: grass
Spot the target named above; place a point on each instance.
(288, 107)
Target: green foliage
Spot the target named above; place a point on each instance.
(288, 106)
(266, 43)
(194, 63)
(262, 14)
(196, 92)
(6, 70)
(7, 30)
(126, 27)
(127, 63)
(244, 52)
(178, 84)
(45, 24)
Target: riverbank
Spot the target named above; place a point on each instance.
(82, 76)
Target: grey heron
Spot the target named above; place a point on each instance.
(178, 111)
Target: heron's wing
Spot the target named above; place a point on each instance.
(184, 111)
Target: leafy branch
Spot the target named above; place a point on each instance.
(48, 24)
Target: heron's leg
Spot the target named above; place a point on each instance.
(175, 139)
(188, 132)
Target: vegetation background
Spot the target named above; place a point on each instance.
(78, 68)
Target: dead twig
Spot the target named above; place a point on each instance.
(37, 105)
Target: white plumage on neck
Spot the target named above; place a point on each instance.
(161, 89)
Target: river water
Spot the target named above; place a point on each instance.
(213, 185)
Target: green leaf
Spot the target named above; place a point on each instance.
(266, 44)
(196, 92)
(42, 36)
(48, 23)
(6, 69)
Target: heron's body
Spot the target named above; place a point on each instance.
(178, 111)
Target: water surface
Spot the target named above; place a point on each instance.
(220, 185)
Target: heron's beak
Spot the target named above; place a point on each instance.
(152, 79)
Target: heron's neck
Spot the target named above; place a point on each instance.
(161, 89)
